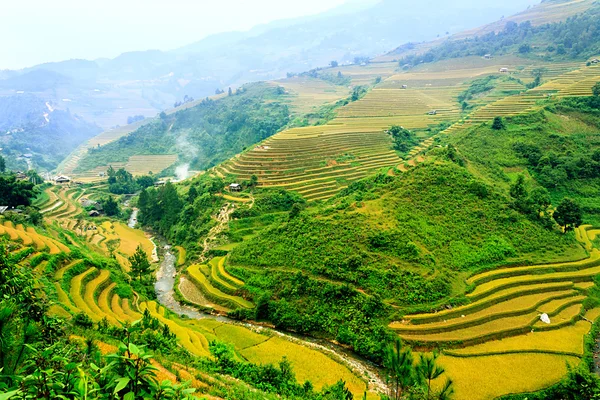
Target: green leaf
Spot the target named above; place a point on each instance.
(129, 396)
(121, 383)
(8, 395)
(133, 349)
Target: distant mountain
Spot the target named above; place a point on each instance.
(106, 91)
(35, 134)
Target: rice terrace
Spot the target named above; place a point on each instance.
(366, 200)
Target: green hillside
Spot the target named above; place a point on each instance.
(419, 227)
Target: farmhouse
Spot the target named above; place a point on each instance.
(2, 209)
(488, 57)
(404, 86)
(235, 187)
(503, 70)
(432, 112)
(94, 213)
(595, 61)
(62, 179)
(21, 176)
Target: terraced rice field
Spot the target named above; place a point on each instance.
(307, 94)
(29, 237)
(216, 287)
(136, 165)
(319, 161)
(490, 343)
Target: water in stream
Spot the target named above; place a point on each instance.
(165, 293)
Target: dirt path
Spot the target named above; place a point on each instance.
(223, 218)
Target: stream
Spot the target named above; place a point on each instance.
(165, 293)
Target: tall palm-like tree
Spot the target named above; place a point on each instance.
(399, 362)
(427, 371)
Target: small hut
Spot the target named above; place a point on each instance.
(235, 187)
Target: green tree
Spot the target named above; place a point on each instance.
(595, 91)
(295, 211)
(334, 64)
(192, 194)
(498, 124)
(404, 140)
(568, 214)
(110, 206)
(15, 192)
(140, 265)
(427, 371)
(34, 178)
(518, 191)
(2, 165)
(398, 361)
(540, 200)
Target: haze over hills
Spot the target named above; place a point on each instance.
(107, 91)
(420, 225)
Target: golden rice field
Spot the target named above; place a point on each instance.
(319, 161)
(210, 283)
(136, 165)
(491, 344)
(306, 94)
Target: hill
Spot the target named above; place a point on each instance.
(106, 92)
(446, 237)
(36, 135)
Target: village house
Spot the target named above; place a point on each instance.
(62, 179)
(503, 70)
(595, 61)
(235, 187)
(488, 57)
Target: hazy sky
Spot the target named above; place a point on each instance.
(36, 31)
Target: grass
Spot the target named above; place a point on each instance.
(187, 338)
(181, 256)
(215, 294)
(216, 265)
(242, 338)
(75, 292)
(483, 378)
(304, 362)
(223, 273)
(64, 299)
(519, 305)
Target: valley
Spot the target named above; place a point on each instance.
(419, 225)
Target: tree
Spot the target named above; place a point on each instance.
(427, 371)
(15, 192)
(568, 214)
(34, 178)
(404, 140)
(145, 181)
(539, 200)
(192, 194)
(334, 64)
(524, 49)
(253, 180)
(229, 93)
(140, 265)
(110, 206)
(295, 211)
(518, 191)
(595, 91)
(398, 361)
(2, 165)
(498, 124)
